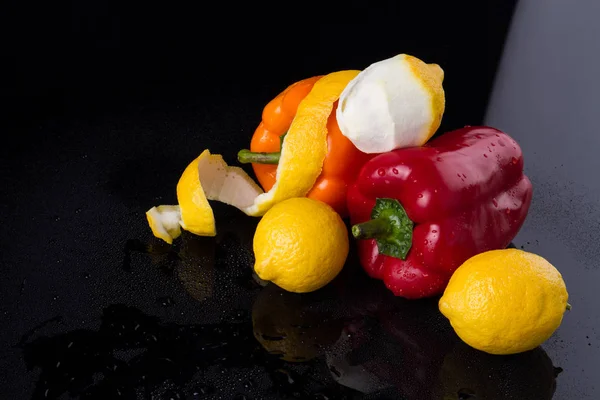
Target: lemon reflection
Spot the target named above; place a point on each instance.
(198, 254)
(408, 347)
(285, 324)
(471, 374)
(196, 271)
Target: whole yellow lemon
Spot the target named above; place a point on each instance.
(505, 301)
(300, 244)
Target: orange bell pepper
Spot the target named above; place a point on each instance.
(341, 166)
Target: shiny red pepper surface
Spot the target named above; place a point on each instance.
(465, 193)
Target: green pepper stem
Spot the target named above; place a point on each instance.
(389, 226)
(568, 307)
(247, 156)
(372, 229)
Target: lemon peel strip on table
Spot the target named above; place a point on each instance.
(164, 222)
(208, 177)
(196, 214)
(305, 146)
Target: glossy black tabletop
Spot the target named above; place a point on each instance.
(109, 104)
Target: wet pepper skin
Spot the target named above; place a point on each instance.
(466, 193)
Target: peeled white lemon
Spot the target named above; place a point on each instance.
(395, 103)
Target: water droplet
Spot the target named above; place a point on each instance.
(55, 297)
(166, 301)
(426, 242)
(434, 231)
(485, 155)
(420, 195)
(497, 135)
(395, 171)
(490, 150)
(464, 176)
(478, 136)
(439, 159)
(493, 144)
(381, 172)
(495, 202)
(501, 143)
(508, 210)
(458, 175)
(514, 160)
(435, 191)
(57, 218)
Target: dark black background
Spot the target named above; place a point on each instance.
(105, 102)
(101, 55)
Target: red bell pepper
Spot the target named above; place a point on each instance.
(423, 211)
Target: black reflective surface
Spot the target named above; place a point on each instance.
(107, 105)
(350, 340)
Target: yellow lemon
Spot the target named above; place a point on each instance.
(394, 103)
(305, 146)
(505, 301)
(300, 245)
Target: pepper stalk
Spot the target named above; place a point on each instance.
(390, 226)
(246, 156)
